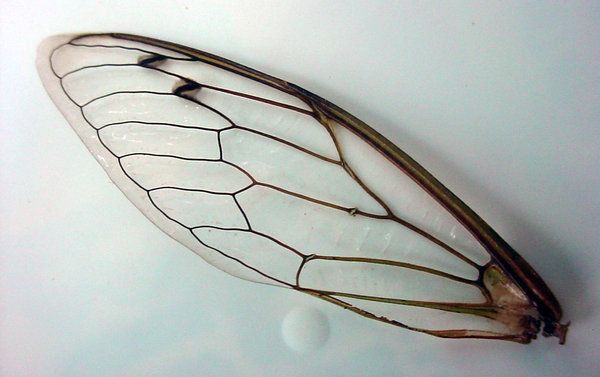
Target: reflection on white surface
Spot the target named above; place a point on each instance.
(305, 329)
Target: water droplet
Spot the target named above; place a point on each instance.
(305, 329)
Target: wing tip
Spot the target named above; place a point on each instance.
(44, 51)
(48, 44)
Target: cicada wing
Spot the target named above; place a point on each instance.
(253, 177)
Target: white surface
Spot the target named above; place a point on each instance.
(499, 101)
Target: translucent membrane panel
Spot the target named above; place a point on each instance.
(153, 108)
(193, 208)
(69, 58)
(316, 229)
(294, 127)
(108, 42)
(260, 252)
(274, 163)
(385, 281)
(207, 74)
(157, 171)
(406, 198)
(127, 138)
(224, 262)
(90, 83)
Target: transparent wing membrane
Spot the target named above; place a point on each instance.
(262, 185)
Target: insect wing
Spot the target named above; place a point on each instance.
(255, 177)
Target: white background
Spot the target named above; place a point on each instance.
(500, 100)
